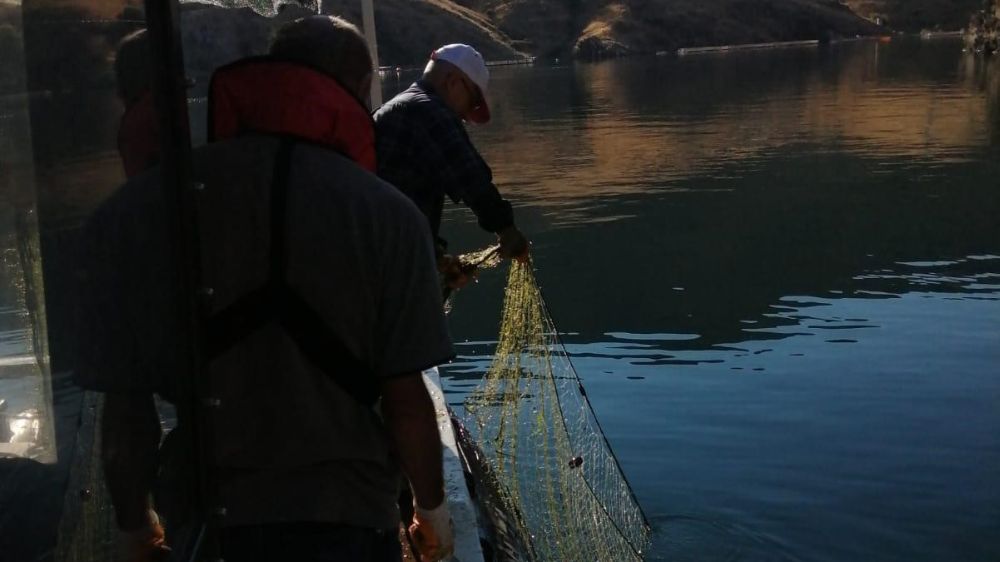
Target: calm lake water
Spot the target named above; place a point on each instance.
(778, 274)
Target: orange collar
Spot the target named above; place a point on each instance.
(273, 96)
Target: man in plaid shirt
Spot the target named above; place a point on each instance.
(424, 150)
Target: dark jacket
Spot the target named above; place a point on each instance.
(425, 151)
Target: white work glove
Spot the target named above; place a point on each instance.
(433, 532)
(145, 544)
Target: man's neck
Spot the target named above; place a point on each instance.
(429, 88)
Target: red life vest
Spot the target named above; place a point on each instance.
(272, 96)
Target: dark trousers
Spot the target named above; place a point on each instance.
(310, 542)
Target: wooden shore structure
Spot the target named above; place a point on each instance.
(526, 60)
(511, 62)
(813, 43)
(685, 51)
(941, 34)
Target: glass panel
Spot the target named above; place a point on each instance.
(59, 116)
(26, 427)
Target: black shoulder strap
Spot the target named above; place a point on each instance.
(276, 302)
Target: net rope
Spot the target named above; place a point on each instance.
(539, 435)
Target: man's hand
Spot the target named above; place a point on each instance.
(513, 244)
(433, 532)
(145, 544)
(455, 274)
(412, 423)
(130, 437)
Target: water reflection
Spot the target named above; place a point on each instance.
(25, 419)
(597, 132)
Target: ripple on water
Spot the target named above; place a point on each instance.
(652, 337)
(694, 538)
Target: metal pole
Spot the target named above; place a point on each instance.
(368, 22)
(180, 194)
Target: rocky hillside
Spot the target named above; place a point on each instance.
(610, 27)
(591, 28)
(505, 29)
(408, 30)
(502, 29)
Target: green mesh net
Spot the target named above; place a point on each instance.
(552, 466)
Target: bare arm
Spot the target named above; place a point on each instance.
(130, 437)
(409, 415)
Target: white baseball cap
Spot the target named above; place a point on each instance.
(471, 63)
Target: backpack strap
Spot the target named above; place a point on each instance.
(276, 302)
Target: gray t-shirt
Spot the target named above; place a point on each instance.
(291, 444)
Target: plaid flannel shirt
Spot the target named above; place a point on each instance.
(424, 150)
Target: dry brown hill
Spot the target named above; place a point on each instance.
(609, 27)
(408, 30)
(503, 29)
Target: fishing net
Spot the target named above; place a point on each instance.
(87, 529)
(544, 450)
(488, 257)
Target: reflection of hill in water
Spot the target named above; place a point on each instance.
(734, 193)
(597, 131)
